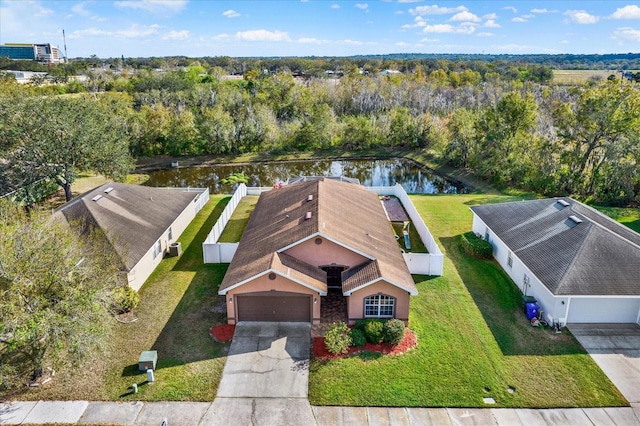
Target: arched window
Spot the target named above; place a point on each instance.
(379, 306)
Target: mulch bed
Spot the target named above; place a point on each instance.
(408, 342)
(222, 332)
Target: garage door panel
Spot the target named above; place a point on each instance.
(603, 310)
(274, 308)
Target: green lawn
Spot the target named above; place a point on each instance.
(239, 220)
(417, 245)
(472, 335)
(627, 216)
(179, 304)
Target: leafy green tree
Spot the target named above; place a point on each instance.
(55, 291)
(462, 143)
(56, 137)
(600, 129)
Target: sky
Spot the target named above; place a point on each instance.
(195, 28)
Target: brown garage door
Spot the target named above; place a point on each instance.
(274, 306)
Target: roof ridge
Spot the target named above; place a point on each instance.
(604, 228)
(576, 256)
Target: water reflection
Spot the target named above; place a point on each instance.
(414, 178)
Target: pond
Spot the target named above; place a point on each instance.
(414, 178)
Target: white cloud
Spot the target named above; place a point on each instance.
(402, 44)
(539, 11)
(221, 37)
(418, 22)
(485, 34)
(511, 8)
(436, 10)
(446, 28)
(491, 24)
(519, 20)
(399, 12)
(89, 32)
(490, 16)
(262, 35)
(465, 16)
(79, 9)
(627, 33)
(335, 6)
(176, 35)
(429, 40)
(230, 13)
(352, 42)
(138, 31)
(631, 11)
(528, 16)
(362, 6)
(581, 17)
(153, 6)
(564, 42)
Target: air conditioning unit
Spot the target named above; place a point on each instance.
(175, 249)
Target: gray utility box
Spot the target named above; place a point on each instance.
(175, 249)
(148, 360)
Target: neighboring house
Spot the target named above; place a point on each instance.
(139, 222)
(310, 238)
(579, 264)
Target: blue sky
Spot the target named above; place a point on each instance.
(143, 28)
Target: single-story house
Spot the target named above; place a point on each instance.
(310, 238)
(139, 222)
(580, 265)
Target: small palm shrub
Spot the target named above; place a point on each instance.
(337, 338)
(124, 299)
(358, 338)
(393, 331)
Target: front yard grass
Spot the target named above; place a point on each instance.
(178, 306)
(473, 341)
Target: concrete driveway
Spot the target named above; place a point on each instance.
(616, 349)
(267, 360)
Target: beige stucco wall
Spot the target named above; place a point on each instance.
(325, 253)
(145, 266)
(356, 300)
(263, 283)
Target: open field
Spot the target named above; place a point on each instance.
(472, 336)
(571, 77)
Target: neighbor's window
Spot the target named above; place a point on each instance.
(379, 306)
(170, 235)
(486, 233)
(510, 260)
(156, 249)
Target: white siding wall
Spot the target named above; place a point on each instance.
(553, 309)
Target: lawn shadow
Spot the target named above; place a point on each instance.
(499, 301)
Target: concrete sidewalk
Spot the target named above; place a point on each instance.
(277, 411)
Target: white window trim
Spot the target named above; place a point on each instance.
(157, 248)
(510, 260)
(379, 306)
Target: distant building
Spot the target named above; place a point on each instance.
(45, 53)
(24, 77)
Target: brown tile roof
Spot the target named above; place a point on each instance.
(344, 213)
(133, 217)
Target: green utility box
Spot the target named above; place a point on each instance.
(529, 299)
(148, 360)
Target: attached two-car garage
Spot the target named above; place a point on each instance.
(604, 310)
(274, 306)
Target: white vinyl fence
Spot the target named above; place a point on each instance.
(418, 263)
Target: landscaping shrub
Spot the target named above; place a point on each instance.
(393, 331)
(474, 246)
(373, 330)
(358, 338)
(124, 299)
(337, 338)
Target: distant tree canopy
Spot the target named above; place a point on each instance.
(500, 117)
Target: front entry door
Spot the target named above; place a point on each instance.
(334, 276)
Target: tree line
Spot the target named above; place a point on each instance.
(580, 141)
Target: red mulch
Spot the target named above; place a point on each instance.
(222, 332)
(408, 342)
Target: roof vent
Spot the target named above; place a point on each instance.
(108, 190)
(310, 197)
(307, 216)
(575, 219)
(563, 203)
(97, 197)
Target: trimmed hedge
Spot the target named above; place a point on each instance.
(393, 331)
(474, 246)
(358, 339)
(337, 339)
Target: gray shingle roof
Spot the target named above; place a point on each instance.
(133, 217)
(597, 256)
(343, 212)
